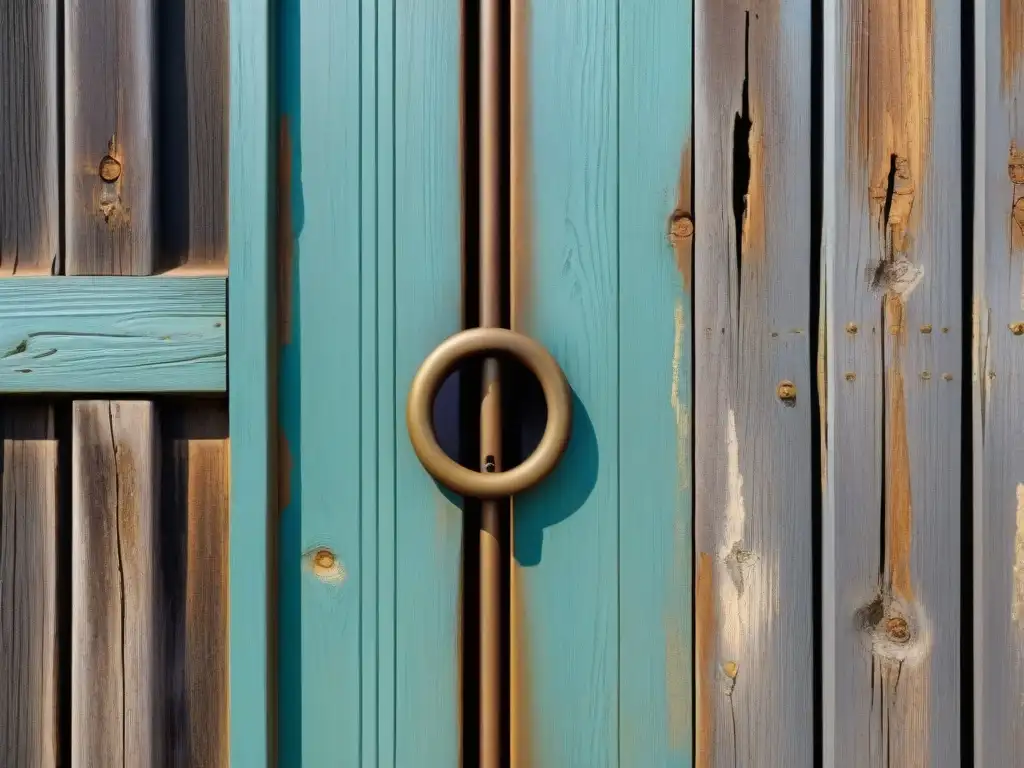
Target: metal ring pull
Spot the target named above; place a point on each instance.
(427, 382)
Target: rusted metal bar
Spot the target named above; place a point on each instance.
(492, 626)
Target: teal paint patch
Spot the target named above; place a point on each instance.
(113, 335)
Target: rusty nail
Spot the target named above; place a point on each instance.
(851, 328)
(851, 376)
(926, 328)
(1017, 329)
(110, 169)
(324, 559)
(787, 392)
(897, 629)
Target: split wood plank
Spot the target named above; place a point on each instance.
(194, 568)
(117, 691)
(28, 586)
(110, 154)
(193, 116)
(29, 136)
(998, 383)
(753, 411)
(893, 248)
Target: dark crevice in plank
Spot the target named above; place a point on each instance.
(967, 448)
(741, 161)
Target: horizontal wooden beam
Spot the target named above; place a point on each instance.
(113, 335)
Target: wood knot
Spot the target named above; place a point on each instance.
(680, 227)
(897, 629)
(110, 169)
(787, 393)
(1015, 165)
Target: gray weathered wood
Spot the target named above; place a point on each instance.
(193, 75)
(28, 587)
(194, 566)
(29, 210)
(109, 106)
(753, 449)
(998, 364)
(117, 693)
(891, 556)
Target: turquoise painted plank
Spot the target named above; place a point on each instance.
(655, 384)
(423, 306)
(253, 472)
(369, 647)
(566, 532)
(321, 386)
(113, 334)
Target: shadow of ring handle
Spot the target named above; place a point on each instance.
(476, 342)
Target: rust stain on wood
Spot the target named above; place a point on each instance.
(898, 504)
(285, 235)
(1012, 33)
(680, 223)
(704, 620)
(519, 677)
(1017, 606)
(890, 89)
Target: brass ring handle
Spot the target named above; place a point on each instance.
(427, 382)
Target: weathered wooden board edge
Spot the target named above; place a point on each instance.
(113, 335)
(251, 401)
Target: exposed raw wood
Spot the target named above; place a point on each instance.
(28, 586)
(893, 272)
(998, 385)
(113, 334)
(117, 691)
(193, 111)
(753, 381)
(29, 131)
(109, 84)
(194, 569)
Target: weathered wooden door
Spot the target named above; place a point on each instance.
(773, 247)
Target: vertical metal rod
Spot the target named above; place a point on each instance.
(491, 624)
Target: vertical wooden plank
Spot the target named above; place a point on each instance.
(998, 388)
(29, 152)
(655, 251)
(192, 66)
(421, 306)
(566, 531)
(893, 248)
(28, 586)
(251, 404)
(321, 321)
(753, 399)
(193, 537)
(117, 696)
(109, 170)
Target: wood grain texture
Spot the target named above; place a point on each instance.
(251, 405)
(193, 144)
(566, 531)
(114, 334)
(110, 168)
(891, 539)
(29, 136)
(655, 372)
(28, 586)
(194, 574)
(998, 386)
(752, 382)
(117, 692)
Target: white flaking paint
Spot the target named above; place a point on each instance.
(733, 562)
(1017, 606)
(680, 408)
